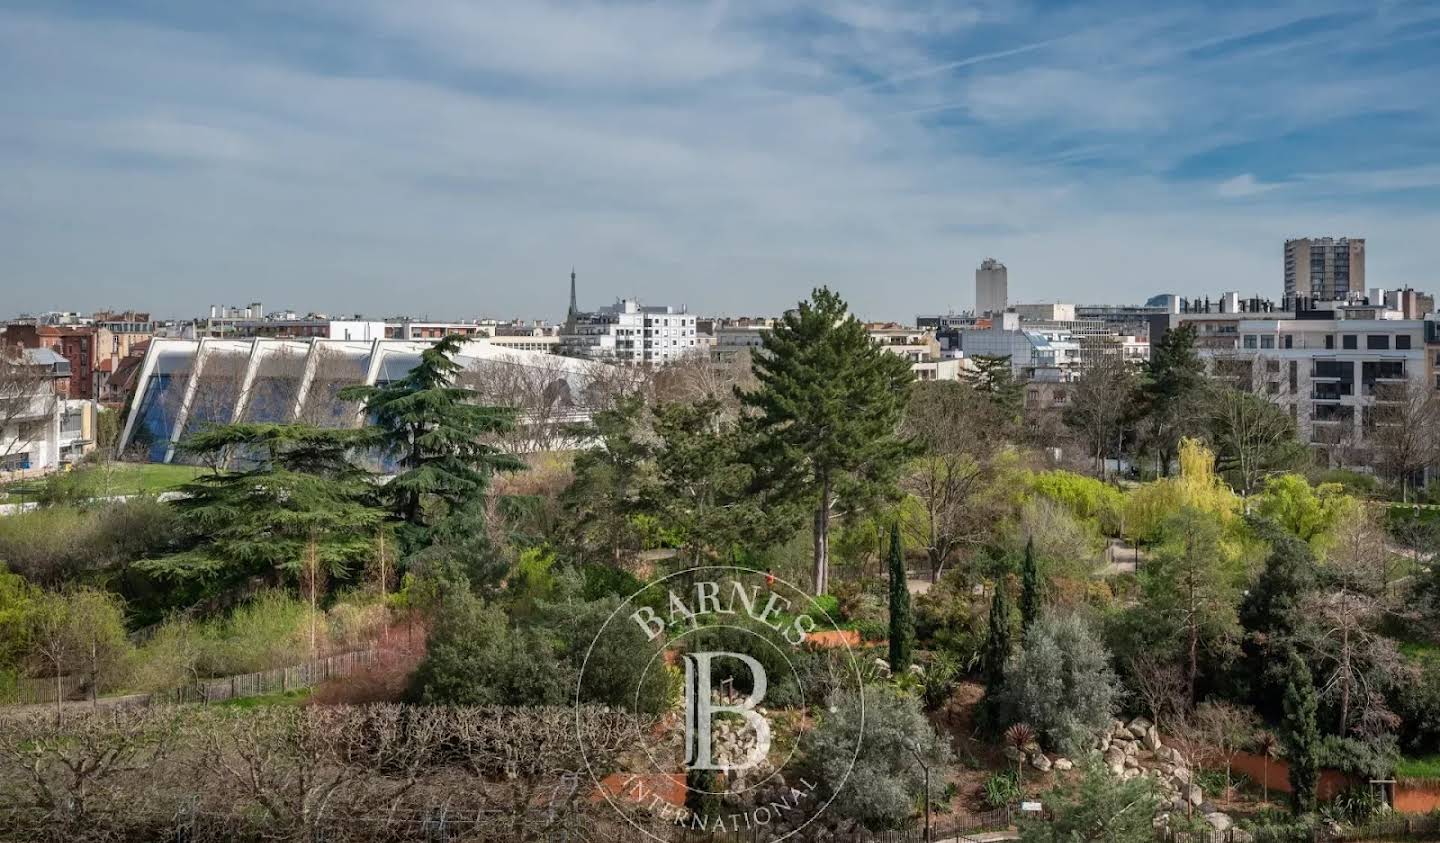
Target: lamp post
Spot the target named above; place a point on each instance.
(914, 750)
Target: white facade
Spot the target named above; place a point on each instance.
(1327, 372)
(628, 332)
(992, 287)
(1045, 312)
(30, 424)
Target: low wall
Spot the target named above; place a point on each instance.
(1417, 796)
(1276, 772)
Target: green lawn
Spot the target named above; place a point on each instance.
(124, 479)
(1423, 767)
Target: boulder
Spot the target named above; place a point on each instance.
(1131, 763)
(1192, 794)
(1040, 762)
(882, 668)
(1130, 773)
(1138, 727)
(1064, 764)
(1219, 821)
(1151, 739)
(1114, 757)
(1132, 749)
(1181, 775)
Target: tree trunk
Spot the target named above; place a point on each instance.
(822, 537)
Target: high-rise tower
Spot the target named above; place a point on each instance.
(991, 287)
(574, 310)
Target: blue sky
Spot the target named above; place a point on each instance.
(456, 158)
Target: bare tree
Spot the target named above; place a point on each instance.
(539, 388)
(1101, 407)
(1161, 686)
(1253, 436)
(957, 429)
(1227, 729)
(27, 402)
(1403, 429)
(333, 371)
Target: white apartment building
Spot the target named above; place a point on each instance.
(629, 332)
(31, 413)
(1329, 368)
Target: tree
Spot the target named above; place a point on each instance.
(1226, 729)
(440, 438)
(997, 652)
(960, 432)
(902, 624)
(826, 414)
(879, 784)
(1171, 379)
(1310, 513)
(1272, 610)
(701, 483)
(612, 481)
(1101, 408)
(27, 401)
(1301, 736)
(994, 377)
(1253, 437)
(299, 499)
(1030, 598)
(1401, 426)
(1098, 807)
(1189, 595)
(79, 631)
(1061, 682)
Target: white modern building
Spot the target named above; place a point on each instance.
(185, 384)
(1329, 368)
(31, 413)
(632, 333)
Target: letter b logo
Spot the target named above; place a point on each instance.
(700, 712)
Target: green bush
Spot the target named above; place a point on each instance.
(1061, 682)
(872, 630)
(1003, 789)
(56, 543)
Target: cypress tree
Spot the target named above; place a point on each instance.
(1301, 736)
(997, 651)
(1029, 587)
(902, 625)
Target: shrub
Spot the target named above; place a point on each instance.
(1086, 497)
(269, 631)
(880, 790)
(1061, 682)
(1003, 789)
(1123, 809)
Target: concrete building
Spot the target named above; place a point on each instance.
(1034, 355)
(632, 333)
(1044, 312)
(1325, 268)
(1329, 367)
(914, 344)
(992, 287)
(184, 384)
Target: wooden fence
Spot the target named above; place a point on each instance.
(74, 688)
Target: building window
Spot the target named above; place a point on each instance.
(1349, 341)
(1267, 342)
(1249, 340)
(1294, 376)
(1289, 341)
(1329, 340)
(1402, 342)
(1272, 366)
(1377, 342)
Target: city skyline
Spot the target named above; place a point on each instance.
(456, 161)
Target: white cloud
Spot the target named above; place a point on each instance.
(1242, 186)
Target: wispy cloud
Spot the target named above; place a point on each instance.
(1242, 186)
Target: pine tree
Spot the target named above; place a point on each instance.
(826, 415)
(902, 624)
(1301, 736)
(997, 651)
(437, 433)
(1172, 377)
(1030, 598)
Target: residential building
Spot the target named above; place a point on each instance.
(1325, 268)
(632, 333)
(31, 409)
(914, 344)
(1329, 367)
(1033, 354)
(992, 287)
(1049, 312)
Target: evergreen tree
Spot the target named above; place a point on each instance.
(997, 652)
(298, 501)
(902, 624)
(612, 482)
(1172, 377)
(1301, 736)
(1030, 598)
(826, 415)
(994, 377)
(438, 435)
(1271, 612)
